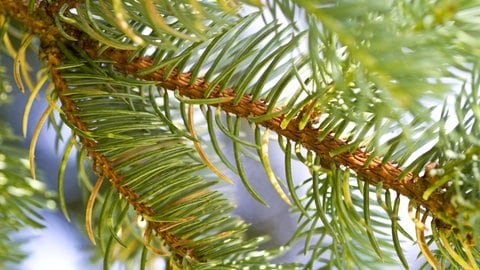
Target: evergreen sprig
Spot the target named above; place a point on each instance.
(351, 89)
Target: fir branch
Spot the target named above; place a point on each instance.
(104, 167)
(371, 170)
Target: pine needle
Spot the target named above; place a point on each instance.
(420, 232)
(89, 209)
(268, 169)
(455, 255)
(198, 148)
(159, 24)
(121, 16)
(36, 134)
(20, 66)
(28, 105)
(61, 177)
(146, 240)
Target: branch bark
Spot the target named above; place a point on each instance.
(374, 173)
(388, 174)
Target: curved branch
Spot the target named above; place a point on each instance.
(104, 168)
(374, 173)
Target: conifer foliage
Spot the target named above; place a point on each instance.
(378, 100)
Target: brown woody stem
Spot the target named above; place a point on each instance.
(102, 166)
(374, 173)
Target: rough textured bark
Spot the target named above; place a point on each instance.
(41, 24)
